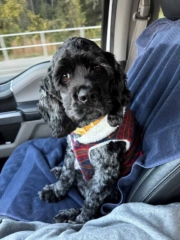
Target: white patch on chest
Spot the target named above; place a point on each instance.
(98, 132)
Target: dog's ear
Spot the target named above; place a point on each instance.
(119, 92)
(51, 109)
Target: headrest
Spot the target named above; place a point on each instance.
(171, 9)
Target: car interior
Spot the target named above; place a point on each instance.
(146, 46)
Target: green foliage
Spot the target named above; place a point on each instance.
(15, 17)
(93, 11)
(36, 15)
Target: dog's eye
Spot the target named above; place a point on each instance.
(65, 77)
(97, 68)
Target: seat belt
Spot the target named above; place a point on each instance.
(141, 18)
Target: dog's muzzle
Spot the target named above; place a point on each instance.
(87, 95)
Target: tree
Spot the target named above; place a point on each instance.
(15, 17)
(32, 15)
(93, 11)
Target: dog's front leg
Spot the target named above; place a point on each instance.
(106, 161)
(56, 191)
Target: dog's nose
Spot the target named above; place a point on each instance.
(85, 95)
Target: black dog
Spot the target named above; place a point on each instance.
(85, 84)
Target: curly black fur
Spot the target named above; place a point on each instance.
(83, 84)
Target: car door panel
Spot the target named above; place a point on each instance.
(19, 119)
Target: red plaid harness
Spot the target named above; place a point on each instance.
(129, 131)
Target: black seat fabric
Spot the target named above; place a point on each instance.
(159, 185)
(171, 9)
(154, 80)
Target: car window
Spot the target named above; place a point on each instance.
(31, 30)
(161, 14)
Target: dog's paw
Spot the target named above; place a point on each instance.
(116, 147)
(56, 171)
(48, 195)
(115, 120)
(81, 218)
(67, 216)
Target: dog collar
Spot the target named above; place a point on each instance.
(85, 129)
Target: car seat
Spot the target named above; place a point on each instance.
(157, 67)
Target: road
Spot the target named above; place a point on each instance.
(9, 69)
